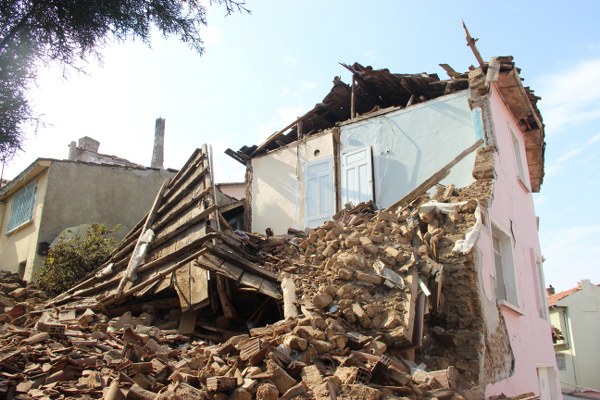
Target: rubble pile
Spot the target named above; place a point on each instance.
(375, 306)
(126, 357)
(17, 299)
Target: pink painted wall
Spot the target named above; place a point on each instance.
(512, 210)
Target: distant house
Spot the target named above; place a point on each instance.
(52, 195)
(236, 190)
(388, 136)
(575, 318)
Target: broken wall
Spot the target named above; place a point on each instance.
(277, 185)
(407, 151)
(80, 193)
(511, 210)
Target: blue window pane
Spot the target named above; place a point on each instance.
(21, 210)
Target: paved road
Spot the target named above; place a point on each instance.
(581, 397)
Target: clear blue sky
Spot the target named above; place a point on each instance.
(260, 71)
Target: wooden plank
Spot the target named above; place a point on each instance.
(241, 276)
(450, 71)
(273, 137)
(435, 178)
(225, 268)
(187, 323)
(228, 255)
(412, 283)
(226, 305)
(148, 281)
(183, 191)
(185, 172)
(191, 285)
(181, 207)
(138, 308)
(181, 228)
(262, 285)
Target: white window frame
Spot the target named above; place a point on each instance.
(507, 292)
(22, 207)
(518, 154)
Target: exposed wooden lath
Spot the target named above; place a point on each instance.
(187, 245)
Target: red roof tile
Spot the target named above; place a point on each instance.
(554, 298)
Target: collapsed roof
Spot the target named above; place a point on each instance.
(181, 231)
(378, 89)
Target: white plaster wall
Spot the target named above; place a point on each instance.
(277, 183)
(567, 376)
(410, 145)
(512, 209)
(583, 310)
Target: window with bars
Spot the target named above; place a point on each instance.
(21, 210)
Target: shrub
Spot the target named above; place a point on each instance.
(74, 257)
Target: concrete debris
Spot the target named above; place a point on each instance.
(357, 290)
(374, 302)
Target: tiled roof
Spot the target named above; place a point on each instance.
(554, 298)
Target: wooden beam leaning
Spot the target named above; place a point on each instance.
(146, 236)
(274, 136)
(435, 178)
(471, 43)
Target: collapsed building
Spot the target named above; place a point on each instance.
(401, 259)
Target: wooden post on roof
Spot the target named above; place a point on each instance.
(299, 129)
(471, 43)
(353, 98)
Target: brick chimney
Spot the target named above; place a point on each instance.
(159, 144)
(550, 290)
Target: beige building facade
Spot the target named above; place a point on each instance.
(52, 195)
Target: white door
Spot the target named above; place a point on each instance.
(318, 191)
(546, 383)
(357, 176)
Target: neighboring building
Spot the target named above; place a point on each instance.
(236, 190)
(575, 319)
(385, 135)
(52, 195)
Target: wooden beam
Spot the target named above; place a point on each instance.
(142, 244)
(237, 156)
(300, 129)
(471, 43)
(435, 178)
(274, 136)
(353, 98)
(450, 71)
(242, 262)
(228, 309)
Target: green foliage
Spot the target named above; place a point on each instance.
(65, 31)
(74, 257)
